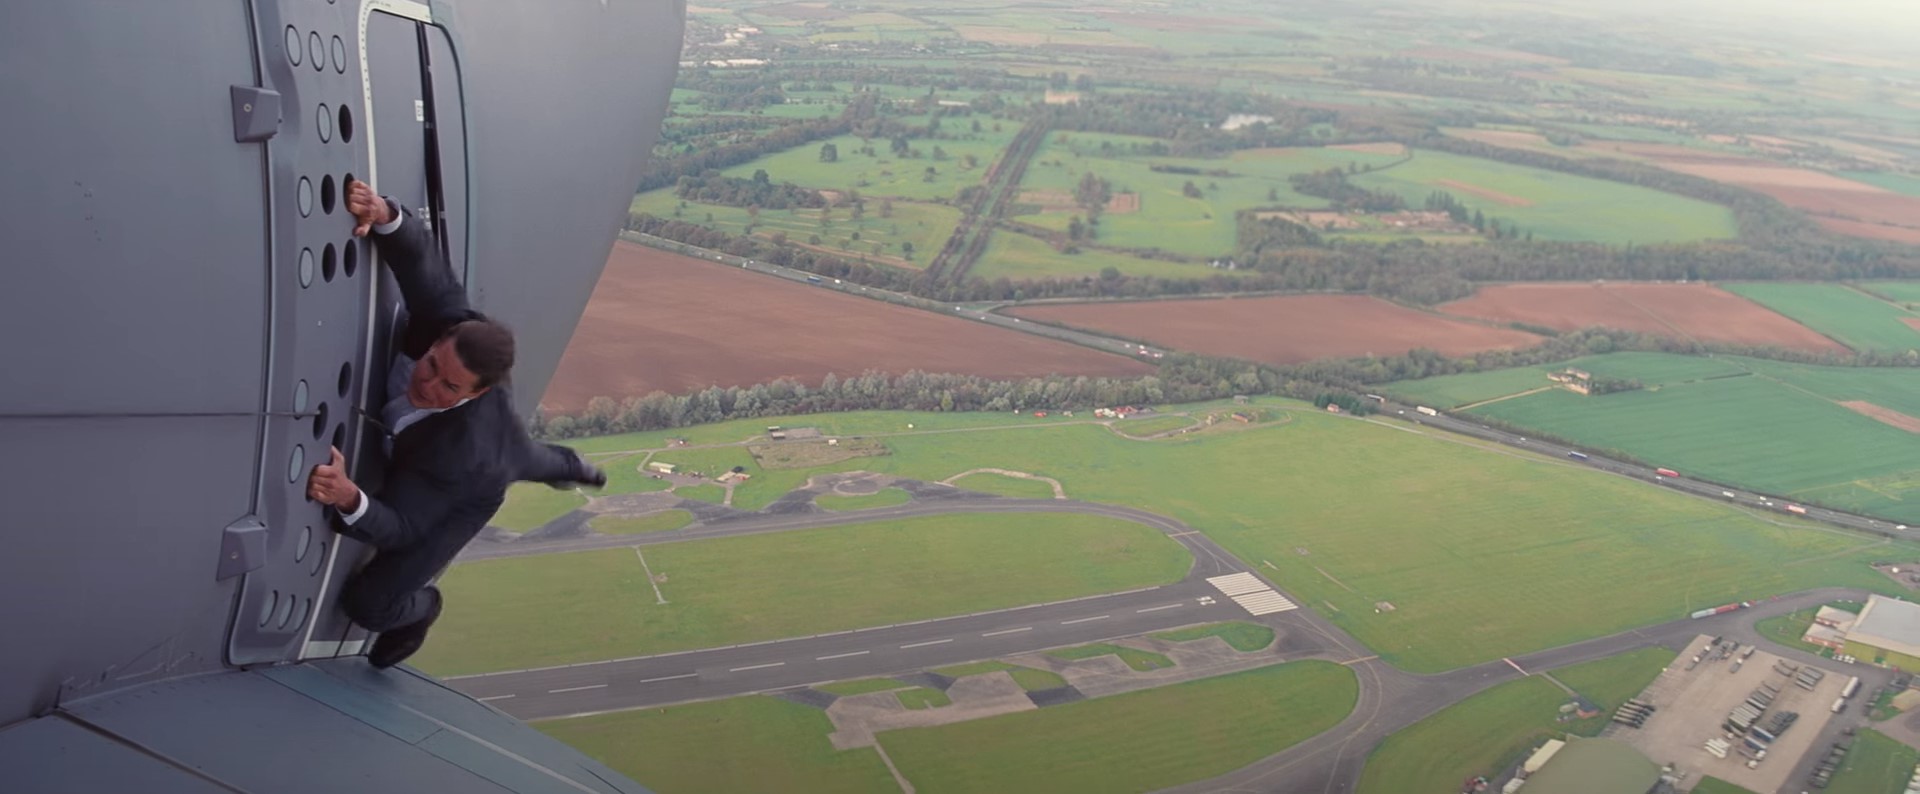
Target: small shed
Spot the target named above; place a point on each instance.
(662, 467)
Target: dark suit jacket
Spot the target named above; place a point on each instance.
(450, 471)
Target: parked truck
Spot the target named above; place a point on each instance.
(1852, 687)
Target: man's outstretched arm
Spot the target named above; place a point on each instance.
(426, 281)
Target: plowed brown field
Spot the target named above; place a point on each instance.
(1285, 329)
(660, 321)
(1688, 311)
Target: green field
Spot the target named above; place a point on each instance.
(1028, 678)
(1386, 504)
(663, 521)
(552, 609)
(922, 698)
(1652, 369)
(1158, 424)
(987, 482)
(1854, 319)
(1168, 219)
(753, 743)
(1018, 256)
(885, 497)
(1875, 765)
(1134, 657)
(1139, 741)
(1245, 637)
(1906, 293)
(530, 505)
(1779, 429)
(1495, 728)
(1556, 206)
(1906, 184)
(883, 174)
(1714, 785)
(925, 226)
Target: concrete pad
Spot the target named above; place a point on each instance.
(1692, 703)
(1055, 696)
(857, 718)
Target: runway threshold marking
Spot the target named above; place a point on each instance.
(1252, 594)
(576, 689)
(1515, 665)
(840, 655)
(755, 667)
(495, 697)
(668, 678)
(1084, 620)
(925, 644)
(1158, 608)
(1007, 631)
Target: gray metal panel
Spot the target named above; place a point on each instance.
(260, 736)
(54, 756)
(483, 722)
(318, 308)
(543, 215)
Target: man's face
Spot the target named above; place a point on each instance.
(440, 380)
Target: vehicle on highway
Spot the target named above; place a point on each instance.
(1666, 472)
(1576, 455)
(1796, 509)
(1728, 494)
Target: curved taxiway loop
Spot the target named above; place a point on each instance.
(1389, 699)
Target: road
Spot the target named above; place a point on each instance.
(1702, 488)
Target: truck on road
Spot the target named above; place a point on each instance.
(1796, 509)
(1666, 472)
(1425, 410)
(1577, 455)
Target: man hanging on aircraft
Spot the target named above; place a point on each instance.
(453, 440)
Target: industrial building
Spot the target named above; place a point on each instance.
(1887, 632)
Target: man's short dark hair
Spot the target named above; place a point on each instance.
(485, 348)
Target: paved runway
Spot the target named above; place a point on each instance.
(1389, 699)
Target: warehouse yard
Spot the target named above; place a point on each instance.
(1692, 703)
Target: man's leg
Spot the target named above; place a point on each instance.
(391, 595)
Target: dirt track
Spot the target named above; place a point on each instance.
(1284, 329)
(1692, 311)
(664, 322)
(1884, 415)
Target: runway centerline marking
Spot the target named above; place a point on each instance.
(841, 655)
(1158, 608)
(925, 644)
(755, 667)
(576, 689)
(1007, 631)
(668, 678)
(1084, 620)
(495, 697)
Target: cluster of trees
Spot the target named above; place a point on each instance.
(662, 172)
(760, 191)
(1188, 121)
(1184, 379)
(1332, 185)
(1604, 385)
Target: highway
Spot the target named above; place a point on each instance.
(1709, 490)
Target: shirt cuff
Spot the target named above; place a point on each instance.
(398, 218)
(349, 518)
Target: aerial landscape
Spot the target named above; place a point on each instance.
(1388, 397)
